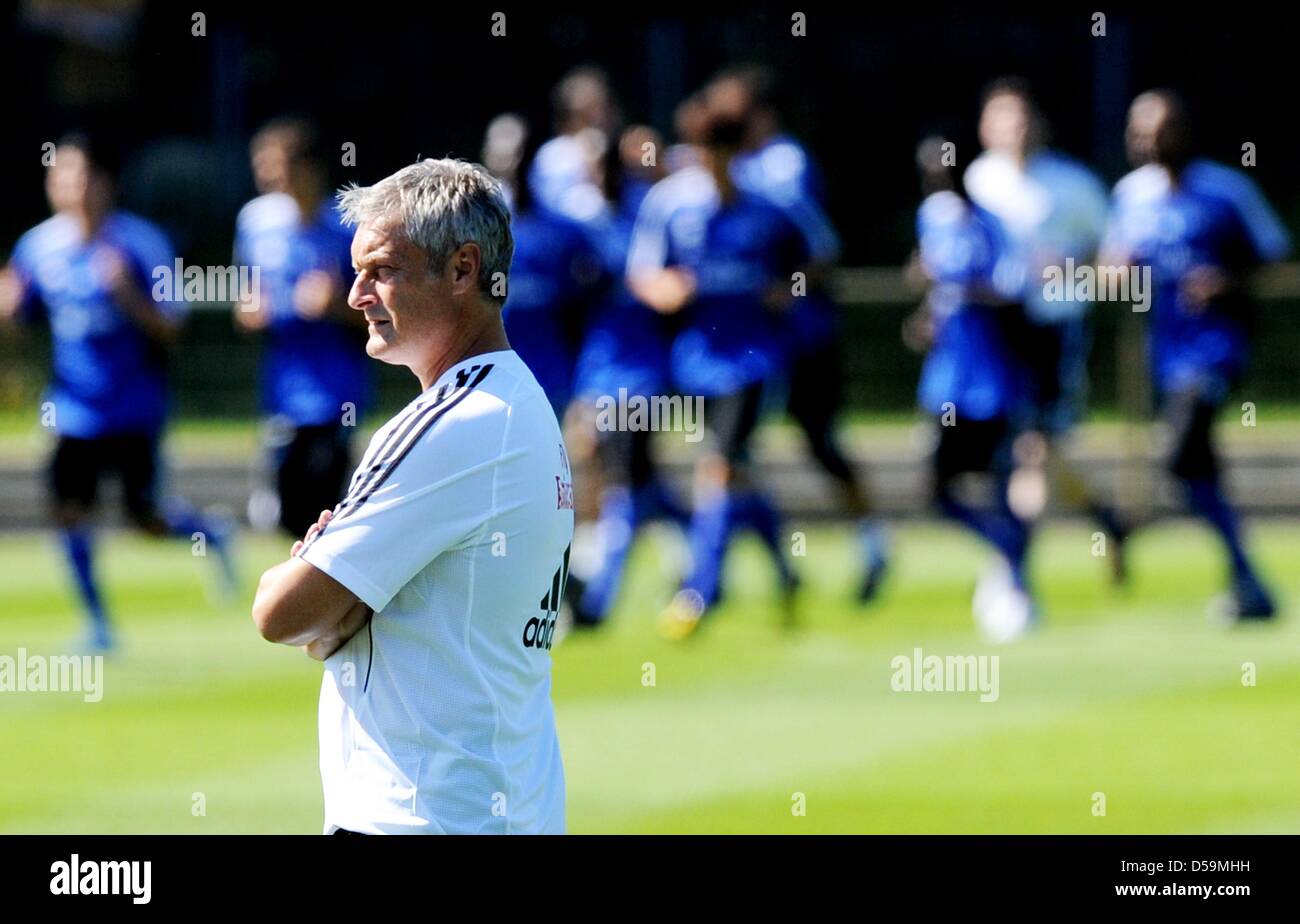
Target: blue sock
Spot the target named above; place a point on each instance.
(1207, 500)
(754, 511)
(617, 527)
(711, 526)
(79, 548)
(653, 500)
(1003, 529)
(183, 521)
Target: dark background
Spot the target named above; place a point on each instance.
(423, 80)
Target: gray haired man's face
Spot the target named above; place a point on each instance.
(398, 293)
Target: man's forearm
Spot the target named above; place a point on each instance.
(338, 635)
(296, 604)
(146, 315)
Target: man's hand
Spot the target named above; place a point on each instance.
(919, 329)
(1201, 285)
(11, 294)
(252, 316)
(325, 517)
(313, 294)
(298, 604)
(352, 623)
(667, 291)
(778, 297)
(112, 268)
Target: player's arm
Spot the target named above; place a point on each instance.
(651, 277)
(12, 293)
(800, 259)
(252, 314)
(320, 295)
(666, 290)
(135, 303)
(298, 604)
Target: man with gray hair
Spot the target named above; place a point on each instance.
(420, 590)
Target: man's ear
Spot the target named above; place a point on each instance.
(464, 266)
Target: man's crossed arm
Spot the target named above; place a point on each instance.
(298, 604)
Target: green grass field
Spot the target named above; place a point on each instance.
(1131, 694)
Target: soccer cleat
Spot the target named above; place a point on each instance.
(98, 641)
(875, 543)
(682, 616)
(1247, 602)
(1118, 559)
(1118, 534)
(789, 601)
(870, 585)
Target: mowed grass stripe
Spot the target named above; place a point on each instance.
(737, 720)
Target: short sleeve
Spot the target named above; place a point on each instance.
(1267, 235)
(819, 234)
(402, 514)
(649, 247)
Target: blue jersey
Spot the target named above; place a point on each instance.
(552, 278)
(627, 343)
(969, 366)
(781, 171)
(1213, 217)
(312, 367)
(108, 376)
(736, 251)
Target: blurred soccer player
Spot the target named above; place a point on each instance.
(563, 174)
(723, 258)
(1052, 209)
(624, 356)
(971, 381)
(556, 272)
(314, 376)
(87, 271)
(776, 166)
(1201, 228)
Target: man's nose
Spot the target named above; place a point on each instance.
(361, 294)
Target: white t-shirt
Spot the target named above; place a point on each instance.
(437, 716)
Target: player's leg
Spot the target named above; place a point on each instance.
(1194, 462)
(616, 524)
(311, 474)
(816, 395)
(724, 500)
(74, 472)
(1003, 606)
(136, 458)
(1069, 344)
(652, 496)
(974, 446)
(749, 506)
